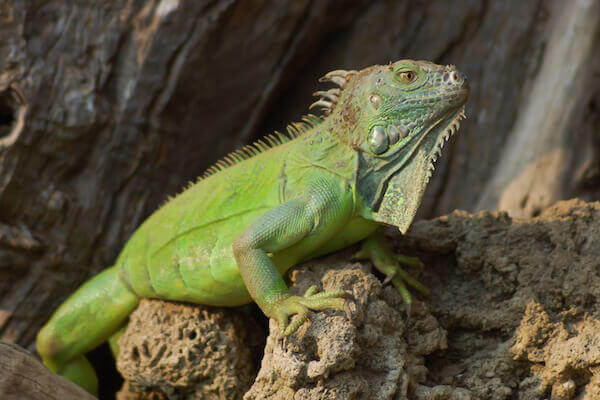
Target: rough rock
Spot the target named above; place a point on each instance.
(564, 354)
(518, 298)
(181, 351)
(372, 352)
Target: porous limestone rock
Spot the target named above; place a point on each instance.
(183, 351)
(370, 352)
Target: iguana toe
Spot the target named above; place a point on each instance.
(387, 262)
(299, 306)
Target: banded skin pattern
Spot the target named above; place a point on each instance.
(226, 240)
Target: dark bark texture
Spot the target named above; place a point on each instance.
(107, 107)
(24, 377)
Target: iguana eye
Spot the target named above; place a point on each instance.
(408, 76)
(378, 142)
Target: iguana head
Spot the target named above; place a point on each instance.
(397, 117)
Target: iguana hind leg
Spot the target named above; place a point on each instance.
(376, 249)
(89, 317)
(113, 340)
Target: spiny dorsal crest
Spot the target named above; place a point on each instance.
(293, 130)
(327, 102)
(329, 98)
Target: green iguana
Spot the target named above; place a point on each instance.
(329, 183)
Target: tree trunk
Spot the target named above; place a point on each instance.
(106, 108)
(24, 377)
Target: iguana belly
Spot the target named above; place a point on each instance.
(199, 267)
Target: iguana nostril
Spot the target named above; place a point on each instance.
(454, 76)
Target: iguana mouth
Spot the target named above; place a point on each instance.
(450, 130)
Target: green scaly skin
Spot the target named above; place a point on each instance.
(228, 239)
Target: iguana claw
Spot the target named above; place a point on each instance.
(300, 305)
(375, 249)
(388, 278)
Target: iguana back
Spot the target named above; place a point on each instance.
(183, 251)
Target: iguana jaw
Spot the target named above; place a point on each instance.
(442, 129)
(400, 189)
(448, 130)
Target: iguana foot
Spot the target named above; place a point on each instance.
(300, 305)
(375, 248)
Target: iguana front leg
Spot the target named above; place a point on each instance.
(376, 249)
(302, 222)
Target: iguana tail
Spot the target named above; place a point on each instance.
(86, 319)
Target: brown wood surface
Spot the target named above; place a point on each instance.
(106, 108)
(23, 377)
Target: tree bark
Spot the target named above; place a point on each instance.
(545, 156)
(24, 377)
(106, 108)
